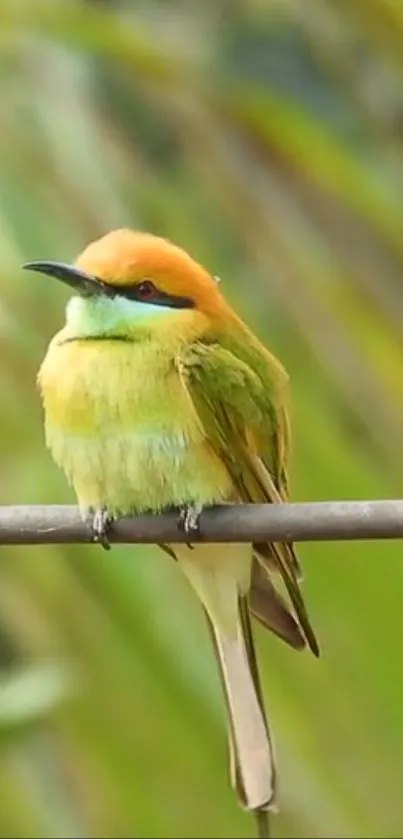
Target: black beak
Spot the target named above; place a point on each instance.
(84, 284)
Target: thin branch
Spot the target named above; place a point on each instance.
(262, 824)
(320, 521)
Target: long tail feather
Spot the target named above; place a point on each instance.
(220, 575)
(252, 762)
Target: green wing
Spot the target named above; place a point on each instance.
(240, 399)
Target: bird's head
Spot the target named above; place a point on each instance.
(130, 284)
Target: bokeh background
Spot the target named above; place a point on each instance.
(266, 138)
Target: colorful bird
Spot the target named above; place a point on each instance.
(157, 395)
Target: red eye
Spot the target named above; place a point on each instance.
(146, 290)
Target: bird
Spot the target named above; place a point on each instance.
(157, 396)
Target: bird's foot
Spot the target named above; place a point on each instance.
(189, 519)
(100, 523)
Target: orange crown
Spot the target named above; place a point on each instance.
(127, 257)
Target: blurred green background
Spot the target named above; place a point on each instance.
(266, 138)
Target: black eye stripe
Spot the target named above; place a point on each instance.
(159, 298)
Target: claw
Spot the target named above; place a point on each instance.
(101, 523)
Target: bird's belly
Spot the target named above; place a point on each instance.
(128, 443)
(127, 473)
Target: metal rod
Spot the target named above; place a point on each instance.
(320, 521)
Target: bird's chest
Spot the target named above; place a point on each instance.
(122, 426)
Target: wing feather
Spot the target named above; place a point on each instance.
(240, 399)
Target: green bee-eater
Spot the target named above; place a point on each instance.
(157, 395)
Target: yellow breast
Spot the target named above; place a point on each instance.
(122, 426)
